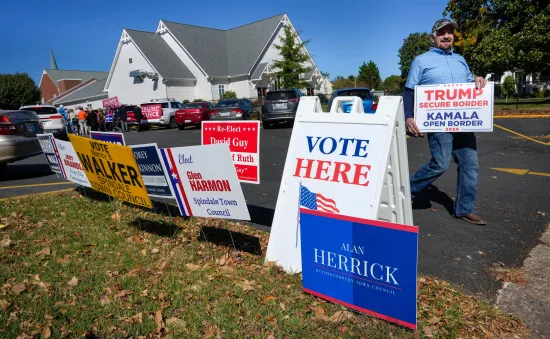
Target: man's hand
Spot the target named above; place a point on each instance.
(412, 128)
(480, 82)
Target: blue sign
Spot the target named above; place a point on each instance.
(114, 138)
(152, 170)
(366, 265)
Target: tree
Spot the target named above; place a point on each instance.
(229, 95)
(370, 75)
(17, 90)
(290, 69)
(508, 86)
(393, 83)
(499, 35)
(413, 45)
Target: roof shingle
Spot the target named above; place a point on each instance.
(92, 90)
(58, 74)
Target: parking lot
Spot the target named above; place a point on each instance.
(515, 198)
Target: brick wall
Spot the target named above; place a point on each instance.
(48, 88)
(65, 85)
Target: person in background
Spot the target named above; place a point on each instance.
(101, 119)
(139, 116)
(123, 111)
(109, 119)
(441, 65)
(82, 125)
(73, 122)
(91, 119)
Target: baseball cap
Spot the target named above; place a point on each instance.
(439, 24)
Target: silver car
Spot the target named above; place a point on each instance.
(234, 109)
(18, 140)
(52, 121)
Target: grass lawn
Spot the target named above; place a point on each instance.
(523, 104)
(73, 266)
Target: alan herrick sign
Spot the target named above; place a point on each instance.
(366, 265)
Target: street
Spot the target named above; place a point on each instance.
(514, 199)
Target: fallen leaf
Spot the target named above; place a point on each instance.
(268, 299)
(175, 324)
(271, 336)
(223, 259)
(14, 214)
(158, 319)
(340, 316)
(73, 282)
(6, 242)
(247, 285)
(270, 317)
(283, 306)
(143, 252)
(144, 293)
(123, 293)
(2, 226)
(155, 250)
(105, 300)
(481, 252)
(44, 252)
(4, 304)
(493, 177)
(115, 216)
(18, 288)
(193, 267)
(319, 312)
(541, 213)
(46, 333)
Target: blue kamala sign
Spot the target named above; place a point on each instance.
(366, 265)
(114, 138)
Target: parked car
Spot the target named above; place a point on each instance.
(280, 105)
(52, 121)
(18, 140)
(131, 118)
(193, 113)
(234, 109)
(369, 105)
(168, 117)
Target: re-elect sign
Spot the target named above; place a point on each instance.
(112, 137)
(454, 108)
(111, 169)
(152, 111)
(204, 181)
(70, 163)
(48, 147)
(152, 170)
(243, 138)
(367, 265)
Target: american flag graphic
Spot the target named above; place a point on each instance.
(316, 201)
(179, 193)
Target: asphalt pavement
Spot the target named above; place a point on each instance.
(515, 199)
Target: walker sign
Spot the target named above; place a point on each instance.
(111, 169)
(355, 262)
(204, 181)
(243, 138)
(454, 108)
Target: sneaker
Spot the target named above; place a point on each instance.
(472, 219)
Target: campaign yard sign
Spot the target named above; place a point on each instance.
(152, 170)
(204, 182)
(454, 108)
(49, 149)
(243, 138)
(367, 265)
(152, 111)
(70, 163)
(112, 137)
(110, 102)
(111, 169)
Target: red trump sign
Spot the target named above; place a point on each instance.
(243, 138)
(151, 111)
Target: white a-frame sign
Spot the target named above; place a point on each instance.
(354, 164)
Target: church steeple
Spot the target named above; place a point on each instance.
(53, 64)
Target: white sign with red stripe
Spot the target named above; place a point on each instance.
(205, 182)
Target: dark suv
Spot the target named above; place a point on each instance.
(280, 105)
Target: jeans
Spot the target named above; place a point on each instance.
(462, 147)
(83, 127)
(124, 126)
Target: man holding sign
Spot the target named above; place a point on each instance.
(440, 65)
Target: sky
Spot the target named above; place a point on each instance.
(84, 34)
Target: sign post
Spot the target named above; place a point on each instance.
(454, 108)
(243, 138)
(111, 169)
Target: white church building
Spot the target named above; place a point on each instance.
(188, 62)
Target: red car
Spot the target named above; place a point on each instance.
(193, 113)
